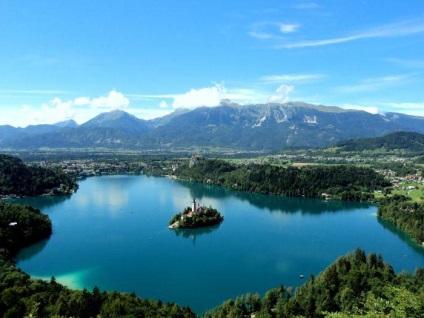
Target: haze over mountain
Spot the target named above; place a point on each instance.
(229, 125)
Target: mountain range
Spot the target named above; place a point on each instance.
(232, 126)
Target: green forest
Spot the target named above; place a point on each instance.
(21, 226)
(407, 215)
(410, 141)
(344, 182)
(355, 285)
(19, 179)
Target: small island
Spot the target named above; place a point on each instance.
(195, 216)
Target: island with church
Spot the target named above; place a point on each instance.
(195, 216)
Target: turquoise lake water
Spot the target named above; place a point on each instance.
(113, 233)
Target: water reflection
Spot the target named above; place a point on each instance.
(41, 202)
(194, 233)
(272, 203)
(401, 234)
(30, 251)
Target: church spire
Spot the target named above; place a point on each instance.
(194, 205)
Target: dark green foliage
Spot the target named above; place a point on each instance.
(408, 216)
(343, 182)
(31, 226)
(22, 296)
(20, 179)
(347, 286)
(410, 141)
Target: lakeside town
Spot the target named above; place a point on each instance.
(407, 181)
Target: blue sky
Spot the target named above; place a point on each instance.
(75, 59)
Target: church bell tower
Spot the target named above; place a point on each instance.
(194, 206)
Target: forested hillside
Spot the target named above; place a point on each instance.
(411, 141)
(342, 182)
(29, 226)
(355, 285)
(407, 215)
(19, 179)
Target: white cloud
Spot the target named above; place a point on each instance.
(212, 96)
(389, 30)
(307, 6)
(281, 94)
(245, 95)
(319, 42)
(290, 78)
(80, 109)
(114, 100)
(375, 83)
(207, 96)
(368, 109)
(411, 108)
(54, 111)
(163, 104)
(81, 101)
(272, 30)
(407, 63)
(288, 28)
(261, 35)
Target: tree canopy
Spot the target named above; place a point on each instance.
(344, 182)
(22, 180)
(408, 216)
(355, 285)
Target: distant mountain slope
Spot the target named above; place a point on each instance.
(413, 123)
(9, 133)
(119, 120)
(116, 129)
(6, 131)
(81, 137)
(67, 123)
(399, 140)
(229, 125)
(161, 121)
(272, 126)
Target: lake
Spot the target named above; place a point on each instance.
(113, 233)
